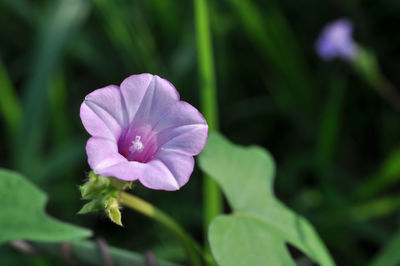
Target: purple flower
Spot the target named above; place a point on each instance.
(142, 131)
(336, 41)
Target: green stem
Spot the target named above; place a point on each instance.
(367, 66)
(192, 248)
(212, 195)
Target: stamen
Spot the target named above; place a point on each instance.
(137, 145)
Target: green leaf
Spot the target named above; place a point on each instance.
(22, 213)
(260, 225)
(253, 239)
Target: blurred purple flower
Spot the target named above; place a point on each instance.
(142, 131)
(336, 41)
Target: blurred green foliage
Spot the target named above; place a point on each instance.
(334, 139)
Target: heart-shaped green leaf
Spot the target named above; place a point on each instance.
(260, 226)
(22, 213)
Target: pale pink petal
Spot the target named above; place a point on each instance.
(102, 153)
(180, 165)
(184, 129)
(156, 175)
(127, 170)
(103, 113)
(147, 96)
(160, 96)
(188, 139)
(133, 89)
(180, 114)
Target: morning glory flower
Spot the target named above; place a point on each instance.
(336, 40)
(142, 131)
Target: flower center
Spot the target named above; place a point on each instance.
(137, 145)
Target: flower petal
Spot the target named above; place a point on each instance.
(159, 98)
(133, 89)
(180, 165)
(127, 170)
(189, 139)
(103, 113)
(336, 41)
(180, 114)
(184, 129)
(102, 153)
(148, 97)
(156, 175)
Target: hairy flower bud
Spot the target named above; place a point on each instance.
(103, 194)
(111, 205)
(94, 186)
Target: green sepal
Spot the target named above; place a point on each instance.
(103, 193)
(111, 205)
(95, 186)
(120, 185)
(94, 205)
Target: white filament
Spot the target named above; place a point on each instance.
(137, 145)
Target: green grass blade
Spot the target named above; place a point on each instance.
(330, 122)
(208, 93)
(387, 175)
(10, 106)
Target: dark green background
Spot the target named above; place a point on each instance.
(329, 131)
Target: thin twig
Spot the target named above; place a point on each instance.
(104, 252)
(24, 247)
(66, 253)
(389, 93)
(150, 258)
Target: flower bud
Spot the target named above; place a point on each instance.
(111, 205)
